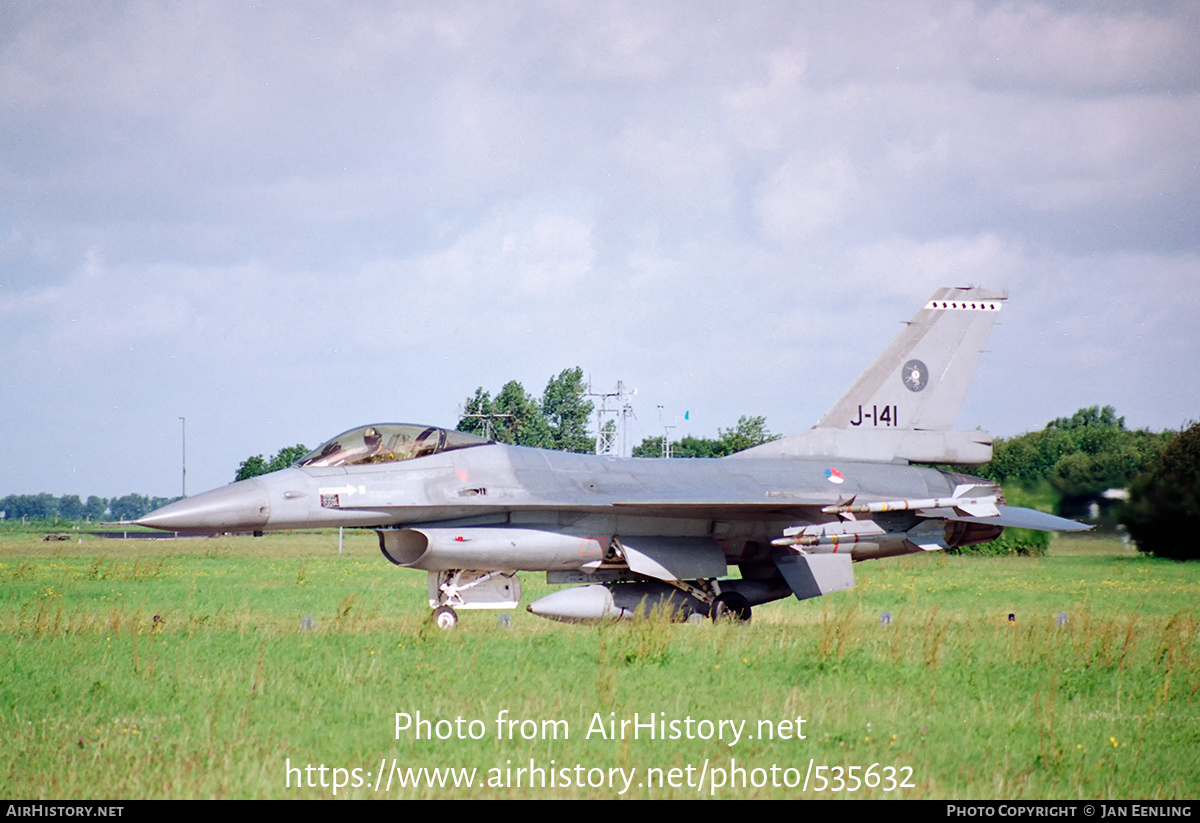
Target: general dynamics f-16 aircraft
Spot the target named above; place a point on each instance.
(636, 534)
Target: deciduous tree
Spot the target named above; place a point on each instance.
(256, 465)
(559, 421)
(567, 411)
(1163, 513)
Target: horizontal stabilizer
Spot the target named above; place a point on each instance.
(812, 575)
(1019, 518)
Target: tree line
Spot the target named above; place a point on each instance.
(70, 507)
(560, 421)
(749, 431)
(1077, 458)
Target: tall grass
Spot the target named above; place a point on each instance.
(183, 669)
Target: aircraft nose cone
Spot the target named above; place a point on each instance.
(241, 506)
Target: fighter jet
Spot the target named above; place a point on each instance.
(631, 535)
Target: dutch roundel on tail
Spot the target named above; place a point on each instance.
(632, 533)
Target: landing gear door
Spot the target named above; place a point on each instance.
(471, 589)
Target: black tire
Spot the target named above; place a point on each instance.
(732, 607)
(444, 618)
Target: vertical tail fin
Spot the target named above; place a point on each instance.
(921, 379)
(903, 407)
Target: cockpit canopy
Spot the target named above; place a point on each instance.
(387, 443)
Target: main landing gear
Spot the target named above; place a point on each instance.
(730, 607)
(727, 606)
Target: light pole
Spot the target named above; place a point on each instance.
(183, 422)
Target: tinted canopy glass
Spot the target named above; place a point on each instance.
(387, 443)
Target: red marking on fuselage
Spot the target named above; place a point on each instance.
(583, 543)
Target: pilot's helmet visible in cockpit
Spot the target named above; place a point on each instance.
(404, 441)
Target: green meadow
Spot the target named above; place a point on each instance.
(186, 669)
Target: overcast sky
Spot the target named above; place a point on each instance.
(283, 220)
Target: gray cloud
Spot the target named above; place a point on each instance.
(282, 221)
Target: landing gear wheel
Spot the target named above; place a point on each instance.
(445, 617)
(731, 607)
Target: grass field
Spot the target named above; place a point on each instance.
(181, 669)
